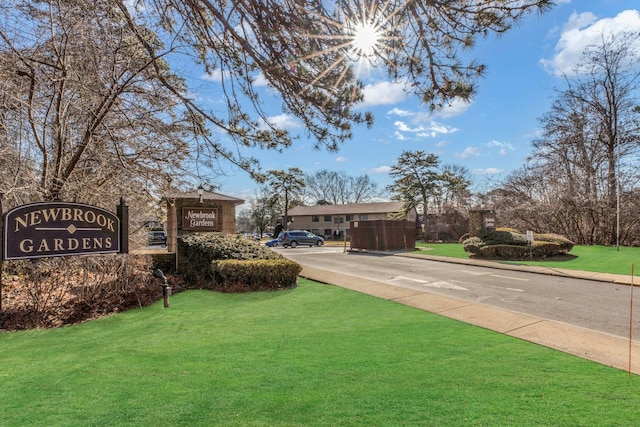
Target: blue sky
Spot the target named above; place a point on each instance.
(492, 135)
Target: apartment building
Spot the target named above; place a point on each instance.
(332, 221)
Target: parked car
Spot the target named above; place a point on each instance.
(294, 238)
(271, 243)
(156, 237)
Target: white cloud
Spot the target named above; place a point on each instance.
(442, 143)
(283, 121)
(260, 80)
(455, 108)
(402, 113)
(402, 126)
(432, 129)
(341, 159)
(488, 171)
(583, 30)
(503, 147)
(379, 170)
(400, 137)
(214, 76)
(468, 152)
(383, 93)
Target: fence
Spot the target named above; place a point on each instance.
(382, 235)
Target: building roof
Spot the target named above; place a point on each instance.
(357, 208)
(206, 195)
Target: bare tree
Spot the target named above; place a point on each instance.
(86, 103)
(264, 210)
(338, 188)
(609, 91)
(591, 134)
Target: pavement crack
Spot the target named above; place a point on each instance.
(524, 326)
(457, 307)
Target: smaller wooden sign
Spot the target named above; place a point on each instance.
(200, 219)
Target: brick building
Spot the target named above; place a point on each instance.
(332, 221)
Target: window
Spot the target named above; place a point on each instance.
(349, 217)
(315, 218)
(327, 218)
(327, 232)
(363, 217)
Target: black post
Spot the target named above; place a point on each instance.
(123, 214)
(166, 289)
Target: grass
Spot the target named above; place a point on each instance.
(602, 259)
(317, 355)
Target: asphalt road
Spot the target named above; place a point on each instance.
(599, 306)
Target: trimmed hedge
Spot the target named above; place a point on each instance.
(224, 246)
(232, 263)
(254, 275)
(506, 243)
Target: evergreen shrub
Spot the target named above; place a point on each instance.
(200, 256)
(507, 243)
(254, 275)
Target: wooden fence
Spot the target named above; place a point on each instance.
(382, 235)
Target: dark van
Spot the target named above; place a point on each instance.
(294, 238)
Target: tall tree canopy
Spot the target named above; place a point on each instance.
(420, 182)
(93, 102)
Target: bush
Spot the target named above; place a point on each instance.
(506, 243)
(505, 251)
(202, 256)
(51, 292)
(473, 245)
(503, 236)
(563, 244)
(224, 246)
(254, 275)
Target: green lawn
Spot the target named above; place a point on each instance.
(603, 259)
(316, 355)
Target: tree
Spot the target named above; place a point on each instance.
(305, 50)
(92, 93)
(433, 191)
(337, 188)
(287, 184)
(609, 91)
(583, 165)
(84, 102)
(416, 179)
(265, 209)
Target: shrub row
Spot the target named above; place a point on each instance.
(232, 263)
(254, 275)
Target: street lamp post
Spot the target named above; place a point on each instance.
(200, 193)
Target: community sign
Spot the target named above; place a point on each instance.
(200, 219)
(52, 229)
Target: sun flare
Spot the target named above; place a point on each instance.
(365, 40)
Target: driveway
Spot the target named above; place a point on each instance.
(588, 318)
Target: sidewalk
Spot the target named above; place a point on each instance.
(596, 346)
